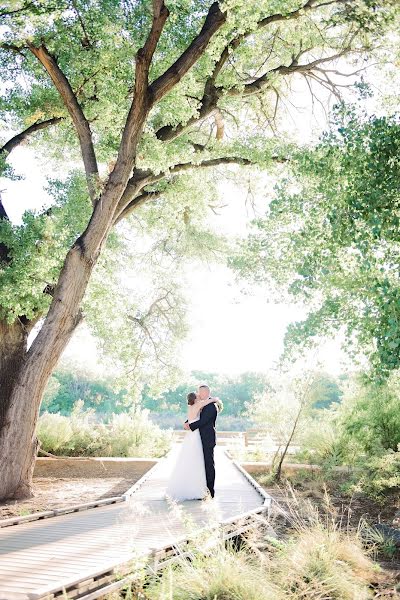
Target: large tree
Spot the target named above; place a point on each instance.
(145, 92)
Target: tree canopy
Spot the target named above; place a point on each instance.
(69, 71)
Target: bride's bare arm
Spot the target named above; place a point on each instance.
(205, 402)
(196, 408)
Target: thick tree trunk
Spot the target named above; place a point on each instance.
(13, 342)
(24, 375)
(18, 444)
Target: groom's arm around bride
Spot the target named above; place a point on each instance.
(207, 415)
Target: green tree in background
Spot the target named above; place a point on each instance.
(324, 391)
(70, 384)
(66, 387)
(331, 239)
(235, 392)
(371, 415)
(142, 94)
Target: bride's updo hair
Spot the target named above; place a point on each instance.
(191, 398)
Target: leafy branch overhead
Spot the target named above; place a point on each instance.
(215, 68)
(151, 107)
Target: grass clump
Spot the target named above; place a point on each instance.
(320, 559)
(223, 574)
(323, 563)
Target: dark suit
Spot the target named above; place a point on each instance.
(206, 427)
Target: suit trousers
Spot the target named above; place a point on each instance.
(208, 452)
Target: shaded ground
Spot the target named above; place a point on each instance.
(52, 492)
(63, 482)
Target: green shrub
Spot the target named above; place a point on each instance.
(126, 434)
(54, 432)
(370, 416)
(378, 477)
(133, 434)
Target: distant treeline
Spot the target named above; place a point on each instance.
(67, 386)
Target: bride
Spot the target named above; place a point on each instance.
(188, 477)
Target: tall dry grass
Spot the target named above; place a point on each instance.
(321, 559)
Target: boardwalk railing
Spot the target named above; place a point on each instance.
(250, 438)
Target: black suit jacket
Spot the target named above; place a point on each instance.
(206, 424)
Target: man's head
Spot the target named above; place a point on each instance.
(204, 392)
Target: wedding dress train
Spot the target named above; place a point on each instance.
(188, 476)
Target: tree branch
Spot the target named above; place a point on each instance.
(212, 162)
(257, 85)
(4, 257)
(140, 105)
(160, 15)
(211, 93)
(129, 202)
(214, 20)
(3, 213)
(9, 13)
(78, 118)
(135, 203)
(86, 42)
(144, 55)
(12, 48)
(21, 137)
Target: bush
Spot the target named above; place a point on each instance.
(380, 476)
(372, 415)
(54, 432)
(133, 434)
(126, 434)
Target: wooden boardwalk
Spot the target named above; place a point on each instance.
(77, 555)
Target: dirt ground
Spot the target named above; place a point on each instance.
(53, 492)
(63, 482)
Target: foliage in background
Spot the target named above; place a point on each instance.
(70, 384)
(274, 410)
(234, 391)
(362, 432)
(107, 395)
(330, 239)
(127, 434)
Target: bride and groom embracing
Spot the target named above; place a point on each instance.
(193, 474)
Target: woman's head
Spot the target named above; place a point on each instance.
(191, 398)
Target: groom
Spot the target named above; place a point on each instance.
(206, 426)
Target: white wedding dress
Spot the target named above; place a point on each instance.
(188, 476)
